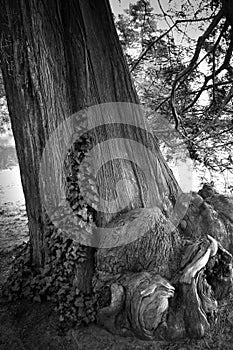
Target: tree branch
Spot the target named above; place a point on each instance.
(189, 68)
(150, 45)
(144, 52)
(219, 70)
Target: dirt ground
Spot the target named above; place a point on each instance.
(28, 326)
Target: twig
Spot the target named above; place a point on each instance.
(219, 70)
(144, 52)
(150, 45)
(211, 124)
(189, 68)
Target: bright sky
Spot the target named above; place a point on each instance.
(119, 6)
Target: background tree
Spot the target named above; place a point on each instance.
(4, 116)
(190, 78)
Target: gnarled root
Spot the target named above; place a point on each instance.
(107, 315)
(140, 301)
(141, 308)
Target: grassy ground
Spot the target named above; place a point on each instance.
(28, 326)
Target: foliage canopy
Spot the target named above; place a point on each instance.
(181, 62)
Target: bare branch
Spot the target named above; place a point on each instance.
(189, 68)
(212, 123)
(221, 145)
(208, 87)
(144, 52)
(150, 45)
(219, 70)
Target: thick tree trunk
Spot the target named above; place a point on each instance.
(57, 58)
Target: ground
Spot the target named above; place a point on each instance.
(27, 326)
(34, 326)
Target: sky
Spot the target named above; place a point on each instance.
(119, 6)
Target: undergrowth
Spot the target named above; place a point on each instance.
(55, 282)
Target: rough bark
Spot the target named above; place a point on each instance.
(150, 307)
(209, 213)
(153, 301)
(156, 248)
(56, 60)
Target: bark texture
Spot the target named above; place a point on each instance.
(149, 306)
(57, 58)
(209, 213)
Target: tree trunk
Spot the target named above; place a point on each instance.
(57, 58)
